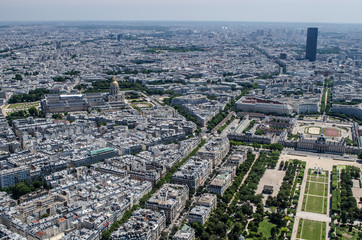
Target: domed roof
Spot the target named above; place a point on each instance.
(114, 82)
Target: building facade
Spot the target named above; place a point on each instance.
(311, 49)
(171, 199)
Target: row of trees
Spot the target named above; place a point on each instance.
(323, 100)
(60, 78)
(231, 106)
(217, 119)
(72, 72)
(329, 101)
(283, 199)
(220, 129)
(272, 146)
(349, 209)
(31, 96)
(224, 217)
(247, 191)
(103, 86)
(336, 193)
(250, 126)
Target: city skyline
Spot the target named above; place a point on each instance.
(254, 11)
(180, 129)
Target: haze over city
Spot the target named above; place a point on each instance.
(319, 11)
(180, 120)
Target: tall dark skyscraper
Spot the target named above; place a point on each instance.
(311, 50)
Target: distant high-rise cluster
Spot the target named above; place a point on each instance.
(311, 50)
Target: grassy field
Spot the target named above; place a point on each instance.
(314, 204)
(316, 188)
(265, 228)
(316, 193)
(311, 230)
(318, 179)
(20, 106)
(341, 167)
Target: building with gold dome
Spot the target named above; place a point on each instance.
(59, 103)
(115, 94)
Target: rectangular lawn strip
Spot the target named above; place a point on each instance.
(340, 167)
(316, 189)
(300, 226)
(304, 202)
(325, 205)
(306, 187)
(318, 179)
(313, 230)
(326, 190)
(324, 229)
(265, 228)
(314, 204)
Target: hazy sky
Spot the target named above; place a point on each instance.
(333, 11)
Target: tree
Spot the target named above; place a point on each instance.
(33, 111)
(220, 229)
(205, 236)
(286, 165)
(259, 132)
(199, 228)
(247, 209)
(344, 217)
(281, 165)
(57, 116)
(277, 218)
(273, 232)
(260, 209)
(18, 77)
(45, 215)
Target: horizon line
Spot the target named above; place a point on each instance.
(178, 21)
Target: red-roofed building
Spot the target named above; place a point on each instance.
(253, 104)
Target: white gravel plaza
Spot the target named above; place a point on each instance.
(314, 130)
(271, 177)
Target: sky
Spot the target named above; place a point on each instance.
(316, 11)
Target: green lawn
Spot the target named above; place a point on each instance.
(315, 193)
(325, 206)
(316, 188)
(314, 204)
(265, 228)
(304, 202)
(341, 167)
(321, 179)
(23, 105)
(311, 230)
